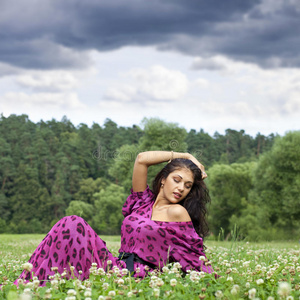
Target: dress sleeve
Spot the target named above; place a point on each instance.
(187, 249)
(136, 200)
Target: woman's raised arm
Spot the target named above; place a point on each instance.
(149, 158)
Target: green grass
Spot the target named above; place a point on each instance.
(243, 269)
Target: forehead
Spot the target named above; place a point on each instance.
(185, 174)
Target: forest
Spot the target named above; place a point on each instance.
(52, 169)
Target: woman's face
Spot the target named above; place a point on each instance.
(177, 185)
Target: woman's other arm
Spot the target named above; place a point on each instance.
(149, 158)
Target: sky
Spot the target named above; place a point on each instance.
(202, 64)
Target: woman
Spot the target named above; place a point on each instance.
(160, 226)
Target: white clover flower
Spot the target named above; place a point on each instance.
(124, 271)
(25, 297)
(177, 265)
(247, 285)
(101, 298)
(27, 266)
(284, 289)
(229, 278)
(30, 285)
(109, 262)
(105, 285)
(234, 291)
(71, 292)
(112, 293)
(173, 282)
(270, 298)
(259, 281)
(87, 294)
(27, 291)
(120, 281)
(100, 271)
(159, 282)
(219, 294)
(237, 287)
(246, 264)
(251, 293)
(289, 298)
(129, 294)
(165, 269)
(156, 292)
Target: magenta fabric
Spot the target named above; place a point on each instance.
(159, 242)
(71, 241)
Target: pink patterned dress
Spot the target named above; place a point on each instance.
(71, 241)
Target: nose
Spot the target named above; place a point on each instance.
(181, 187)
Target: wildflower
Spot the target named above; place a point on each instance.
(27, 266)
(87, 293)
(251, 293)
(219, 294)
(101, 297)
(229, 278)
(100, 271)
(54, 269)
(289, 298)
(247, 285)
(233, 291)
(283, 289)
(25, 296)
(105, 285)
(71, 292)
(156, 292)
(124, 271)
(159, 282)
(112, 293)
(173, 282)
(259, 281)
(129, 294)
(177, 265)
(165, 269)
(270, 298)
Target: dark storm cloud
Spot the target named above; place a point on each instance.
(56, 34)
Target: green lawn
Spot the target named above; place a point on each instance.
(247, 270)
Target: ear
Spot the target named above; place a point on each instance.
(163, 181)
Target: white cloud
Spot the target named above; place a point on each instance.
(156, 83)
(48, 80)
(42, 100)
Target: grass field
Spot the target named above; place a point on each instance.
(247, 271)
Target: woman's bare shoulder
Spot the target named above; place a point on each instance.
(177, 213)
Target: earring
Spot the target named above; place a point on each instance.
(162, 185)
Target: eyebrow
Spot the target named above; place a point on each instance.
(182, 178)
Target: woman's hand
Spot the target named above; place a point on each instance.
(198, 164)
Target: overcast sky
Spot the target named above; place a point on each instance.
(211, 64)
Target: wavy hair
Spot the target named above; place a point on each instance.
(198, 197)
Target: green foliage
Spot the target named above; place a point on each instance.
(52, 167)
(229, 186)
(246, 271)
(108, 216)
(81, 209)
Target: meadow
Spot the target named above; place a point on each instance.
(247, 271)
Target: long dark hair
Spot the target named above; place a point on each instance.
(198, 197)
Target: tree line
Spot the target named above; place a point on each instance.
(52, 169)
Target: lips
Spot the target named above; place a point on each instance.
(177, 195)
